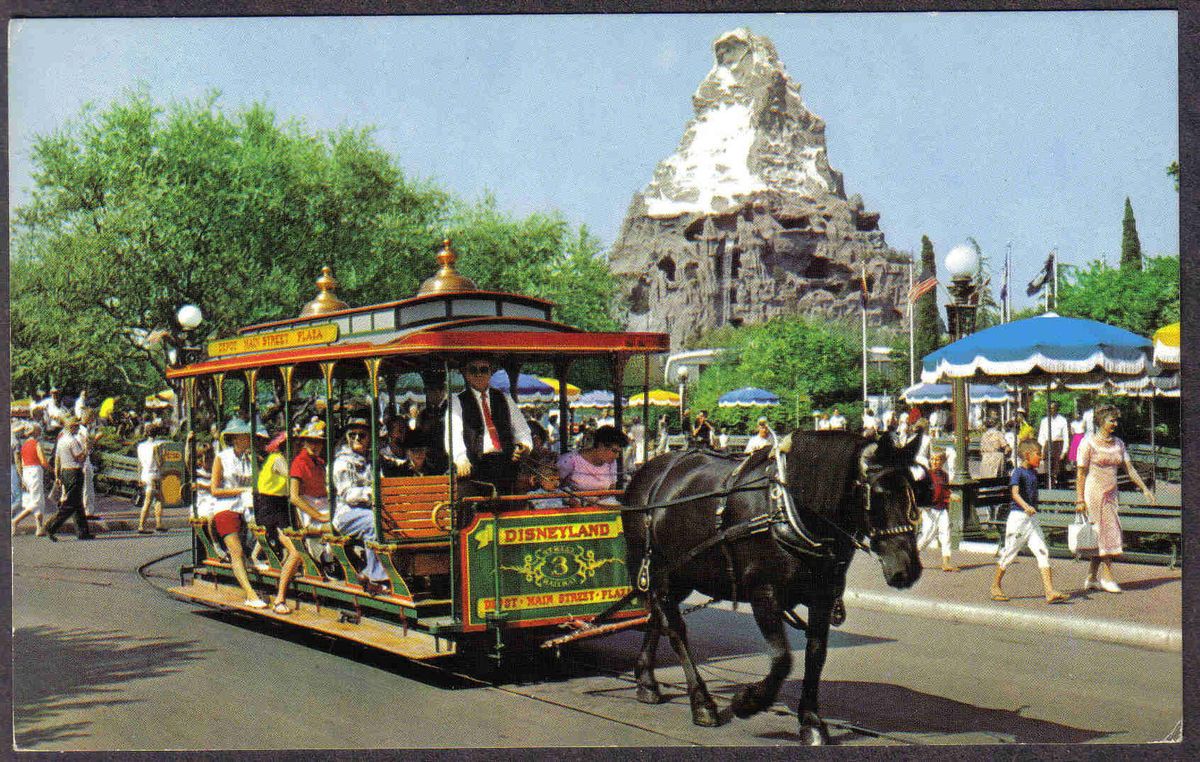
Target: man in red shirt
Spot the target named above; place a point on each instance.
(307, 491)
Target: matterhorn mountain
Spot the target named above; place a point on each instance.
(746, 220)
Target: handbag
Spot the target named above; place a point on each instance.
(1082, 536)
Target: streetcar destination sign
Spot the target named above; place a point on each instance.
(262, 342)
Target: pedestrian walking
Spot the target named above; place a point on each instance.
(32, 466)
(1100, 455)
(1054, 435)
(1023, 526)
(70, 452)
(935, 517)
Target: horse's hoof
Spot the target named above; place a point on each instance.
(649, 695)
(814, 735)
(705, 715)
(746, 703)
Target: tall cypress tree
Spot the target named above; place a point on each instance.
(927, 323)
(1131, 247)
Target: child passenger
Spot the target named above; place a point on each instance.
(1023, 525)
(545, 480)
(935, 520)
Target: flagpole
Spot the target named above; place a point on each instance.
(864, 336)
(1008, 282)
(1054, 287)
(912, 346)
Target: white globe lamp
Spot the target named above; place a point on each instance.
(962, 262)
(189, 317)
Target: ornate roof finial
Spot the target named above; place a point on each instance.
(327, 300)
(447, 279)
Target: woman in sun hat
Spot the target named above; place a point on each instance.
(308, 493)
(231, 489)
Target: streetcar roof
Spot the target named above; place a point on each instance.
(440, 324)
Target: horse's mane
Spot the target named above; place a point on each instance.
(820, 467)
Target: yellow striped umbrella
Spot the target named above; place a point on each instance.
(658, 398)
(1166, 346)
(572, 390)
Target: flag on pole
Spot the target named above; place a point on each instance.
(927, 283)
(862, 284)
(1037, 284)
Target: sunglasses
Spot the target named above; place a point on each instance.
(478, 369)
(356, 435)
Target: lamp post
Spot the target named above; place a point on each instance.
(962, 263)
(683, 424)
(190, 317)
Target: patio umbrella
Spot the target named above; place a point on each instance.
(598, 398)
(1043, 352)
(658, 398)
(530, 389)
(747, 396)
(941, 394)
(1166, 346)
(572, 390)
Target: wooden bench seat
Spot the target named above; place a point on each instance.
(416, 508)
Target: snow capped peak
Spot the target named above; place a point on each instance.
(751, 133)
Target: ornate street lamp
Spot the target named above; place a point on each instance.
(682, 375)
(962, 263)
(190, 317)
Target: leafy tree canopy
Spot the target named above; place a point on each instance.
(805, 362)
(1141, 301)
(139, 208)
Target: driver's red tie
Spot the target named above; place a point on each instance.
(488, 422)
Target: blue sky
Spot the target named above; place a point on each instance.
(1022, 127)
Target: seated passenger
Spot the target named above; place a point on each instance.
(594, 468)
(271, 510)
(231, 492)
(308, 494)
(354, 489)
(544, 475)
(416, 455)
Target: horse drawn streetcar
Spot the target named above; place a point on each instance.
(474, 566)
(461, 559)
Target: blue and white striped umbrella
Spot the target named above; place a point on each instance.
(748, 396)
(942, 394)
(1042, 350)
(597, 398)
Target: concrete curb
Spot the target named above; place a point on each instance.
(1103, 630)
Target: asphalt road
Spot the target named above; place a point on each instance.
(103, 660)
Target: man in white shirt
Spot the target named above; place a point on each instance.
(837, 421)
(870, 423)
(1054, 434)
(763, 437)
(488, 434)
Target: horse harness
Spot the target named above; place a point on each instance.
(785, 523)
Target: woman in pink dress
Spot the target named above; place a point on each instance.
(1099, 457)
(595, 467)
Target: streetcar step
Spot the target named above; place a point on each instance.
(384, 636)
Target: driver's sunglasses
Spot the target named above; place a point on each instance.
(479, 369)
(356, 435)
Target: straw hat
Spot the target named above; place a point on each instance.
(314, 430)
(235, 427)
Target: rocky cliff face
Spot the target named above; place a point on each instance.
(747, 220)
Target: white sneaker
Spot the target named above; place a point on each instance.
(262, 566)
(256, 603)
(1110, 585)
(1089, 583)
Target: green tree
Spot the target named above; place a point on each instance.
(804, 362)
(927, 323)
(1173, 171)
(988, 313)
(1131, 247)
(1140, 301)
(138, 209)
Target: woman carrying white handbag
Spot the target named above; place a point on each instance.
(1099, 457)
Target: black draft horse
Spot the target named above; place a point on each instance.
(844, 489)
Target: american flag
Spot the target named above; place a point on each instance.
(922, 287)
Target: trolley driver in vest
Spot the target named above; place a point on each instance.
(488, 433)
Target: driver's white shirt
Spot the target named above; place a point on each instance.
(454, 437)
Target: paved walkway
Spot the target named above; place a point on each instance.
(1148, 614)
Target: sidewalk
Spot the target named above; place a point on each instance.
(1148, 614)
(115, 514)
